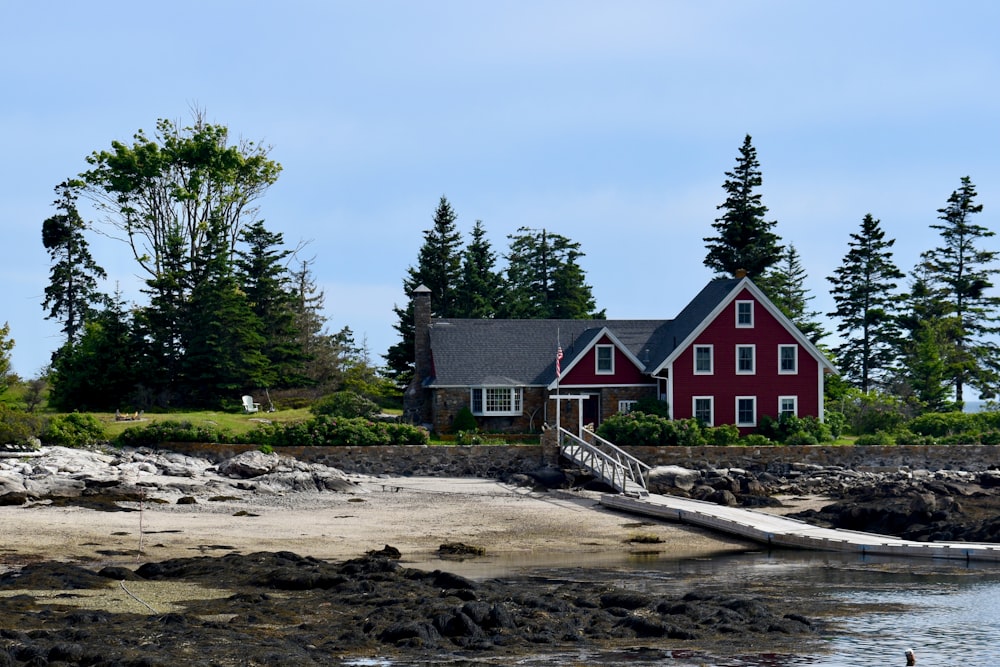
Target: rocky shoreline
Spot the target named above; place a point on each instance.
(277, 607)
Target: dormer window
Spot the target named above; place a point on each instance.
(744, 314)
(605, 359)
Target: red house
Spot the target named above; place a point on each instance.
(730, 357)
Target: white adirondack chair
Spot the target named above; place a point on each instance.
(249, 406)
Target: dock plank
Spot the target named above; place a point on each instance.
(786, 532)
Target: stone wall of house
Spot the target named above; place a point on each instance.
(495, 461)
(447, 403)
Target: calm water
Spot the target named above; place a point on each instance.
(949, 613)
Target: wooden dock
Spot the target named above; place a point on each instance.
(784, 532)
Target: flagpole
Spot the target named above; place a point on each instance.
(558, 376)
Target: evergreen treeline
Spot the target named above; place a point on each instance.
(542, 280)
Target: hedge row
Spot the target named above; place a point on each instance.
(320, 431)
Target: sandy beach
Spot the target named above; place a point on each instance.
(414, 515)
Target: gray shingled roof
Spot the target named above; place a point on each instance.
(481, 352)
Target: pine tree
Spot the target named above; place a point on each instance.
(863, 290)
(479, 291)
(72, 292)
(745, 240)
(785, 286)
(960, 276)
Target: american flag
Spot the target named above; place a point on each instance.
(558, 361)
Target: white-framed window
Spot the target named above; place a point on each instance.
(625, 407)
(703, 360)
(496, 401)
(604, 359)
(703, 409)
(788, 359)
(746, 362)
(746, 410)
(788, 405)
(744, 314)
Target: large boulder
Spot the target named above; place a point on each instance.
(249, 465)
(664, 479)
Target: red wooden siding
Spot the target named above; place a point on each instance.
(766, 384)
(585, 370)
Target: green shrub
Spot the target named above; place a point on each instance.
(879, 438)
(169, 430)
(910, 438)
(464, 421)
(835, 422)
(17, 427)
(688, 433)
(652, 406)
(327, 431)
(757, 440)
(941, 424)
(801, 438)
(344, 404)
(990, 438)
(74, 430)
(725, 434)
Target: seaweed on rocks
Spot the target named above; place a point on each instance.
(286, 609)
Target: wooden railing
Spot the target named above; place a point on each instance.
(615, 467)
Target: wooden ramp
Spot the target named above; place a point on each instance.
(784, 532)
(613, 466)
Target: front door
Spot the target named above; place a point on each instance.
(592, 410)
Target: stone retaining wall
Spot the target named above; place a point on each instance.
(492, 460)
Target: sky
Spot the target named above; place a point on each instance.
(610, 123)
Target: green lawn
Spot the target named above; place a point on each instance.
(232, 421)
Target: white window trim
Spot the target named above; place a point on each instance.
(795, 359)
(753, 360)
(597, 359)
(795, 403)
(751, 423)
(625, 406)
(711, 408)
(748, 325)
(711, 359)
(516, 402)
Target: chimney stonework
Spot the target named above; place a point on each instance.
(416, 403)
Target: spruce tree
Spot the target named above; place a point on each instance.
(265, 280)
(222, 337)
(960, 276)
(479, 291)
(439, 268)
(785, 286)
(863, 291)
(745, 239)
(544, 278)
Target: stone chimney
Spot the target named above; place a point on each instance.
(416, 403)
